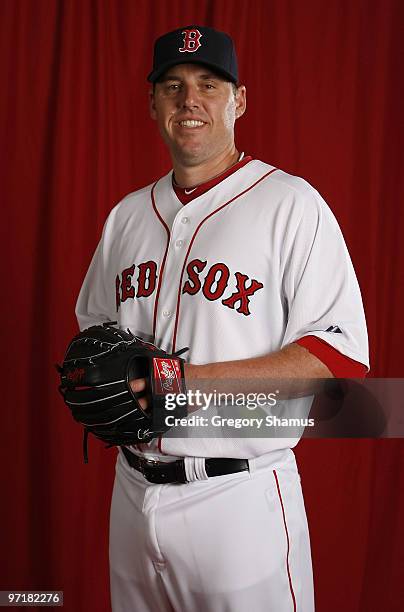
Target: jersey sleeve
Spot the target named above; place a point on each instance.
(94, 305)
(320, 287)
(339, 365)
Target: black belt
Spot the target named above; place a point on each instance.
(161, 473)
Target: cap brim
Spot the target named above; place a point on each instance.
(156, 74)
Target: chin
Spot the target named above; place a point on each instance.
(192, 156)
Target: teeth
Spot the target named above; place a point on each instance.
(191, 123)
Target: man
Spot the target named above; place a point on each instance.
(246, 266)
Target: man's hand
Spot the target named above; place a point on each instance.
(298, 371)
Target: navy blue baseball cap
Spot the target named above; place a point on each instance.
(195, 44)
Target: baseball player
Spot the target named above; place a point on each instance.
(245, 265)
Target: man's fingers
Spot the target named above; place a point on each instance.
(138, 385)
(143, 403)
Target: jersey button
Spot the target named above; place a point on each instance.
(179, 243)
(184, 219)
(166, 313)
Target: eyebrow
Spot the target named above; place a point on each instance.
(205, 76)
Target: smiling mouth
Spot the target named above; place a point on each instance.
(191, 123)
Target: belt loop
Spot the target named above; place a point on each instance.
(200, 469)
(252, 465)
(195, 468)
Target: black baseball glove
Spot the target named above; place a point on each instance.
(98, 366)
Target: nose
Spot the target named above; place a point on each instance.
(190, 96)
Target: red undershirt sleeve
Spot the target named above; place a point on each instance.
(339, 365)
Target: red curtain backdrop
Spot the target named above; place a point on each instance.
(323, 102)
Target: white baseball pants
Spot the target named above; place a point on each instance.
(234, 543)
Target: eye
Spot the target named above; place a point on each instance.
(173, 87)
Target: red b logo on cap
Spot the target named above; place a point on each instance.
(191, 41)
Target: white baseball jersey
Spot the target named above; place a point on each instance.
(253, 264)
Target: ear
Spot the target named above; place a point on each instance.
(241, 101)
(152, 105)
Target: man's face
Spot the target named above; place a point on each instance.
(196, 110)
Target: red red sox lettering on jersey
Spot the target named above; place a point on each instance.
(213, 285)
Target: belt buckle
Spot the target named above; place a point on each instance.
(145, 463)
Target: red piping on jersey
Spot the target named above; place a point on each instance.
(163, 262)
(159, 443)
(192, 241)
(288, 542)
